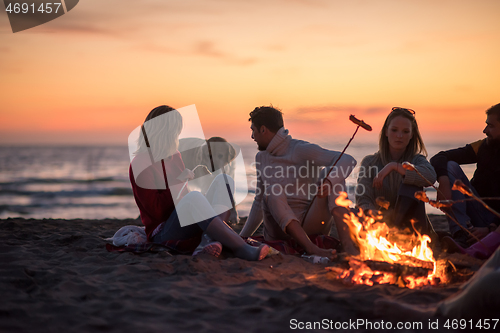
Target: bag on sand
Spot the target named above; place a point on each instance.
(128, 235)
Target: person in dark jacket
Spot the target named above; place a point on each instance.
(485, 183)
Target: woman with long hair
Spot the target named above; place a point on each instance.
(169, 211)
(384, 185)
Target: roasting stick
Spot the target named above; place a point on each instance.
(460, 186)
(410, 167)
(468, 199)
(182, 188)
(358, 122)
(228, 187)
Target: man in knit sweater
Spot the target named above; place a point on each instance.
(290, 173)
(485, 183)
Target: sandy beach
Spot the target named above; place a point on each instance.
(57, 276)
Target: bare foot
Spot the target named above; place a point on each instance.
(208, 246)
(252, 253)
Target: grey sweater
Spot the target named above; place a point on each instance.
(292, 165)
(371, 165)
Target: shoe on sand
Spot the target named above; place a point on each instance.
(485, 248)
(480, 250)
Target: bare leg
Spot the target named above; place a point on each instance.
(208, 245)
(220, 231)
(318, 219)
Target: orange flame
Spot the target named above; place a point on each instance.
(376, 243)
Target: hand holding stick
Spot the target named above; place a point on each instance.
(358, 122)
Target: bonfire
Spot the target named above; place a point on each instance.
(387, 255)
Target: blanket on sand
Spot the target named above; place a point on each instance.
(189, 245)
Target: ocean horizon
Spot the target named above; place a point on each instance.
(91, 182)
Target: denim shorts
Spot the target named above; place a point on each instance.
(172, 229)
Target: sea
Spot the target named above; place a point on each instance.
(91, 182)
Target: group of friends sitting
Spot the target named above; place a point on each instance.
(298, 183)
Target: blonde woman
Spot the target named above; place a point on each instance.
(382, 174)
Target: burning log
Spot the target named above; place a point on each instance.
(408, 261)
(372, 272)
(399, 269)
(411, 273)
(418, 263)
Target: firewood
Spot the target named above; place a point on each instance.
(344, 257)
(418, 262)
(400, 270)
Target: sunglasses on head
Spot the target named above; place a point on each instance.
(396, 108)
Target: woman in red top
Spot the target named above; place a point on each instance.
(168, 210)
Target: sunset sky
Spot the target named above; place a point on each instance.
(92, 75)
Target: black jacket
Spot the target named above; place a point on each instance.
(486, 178)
